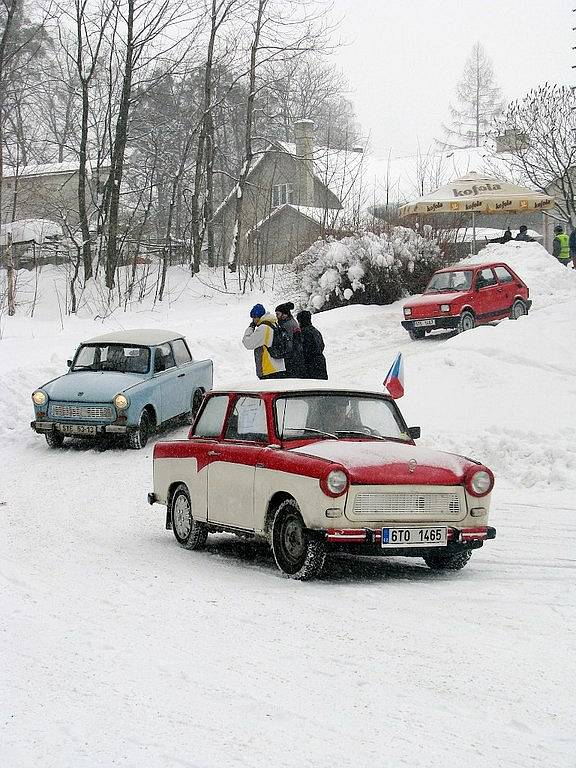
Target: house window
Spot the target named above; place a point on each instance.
(281, 194)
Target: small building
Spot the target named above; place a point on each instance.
(294, 194)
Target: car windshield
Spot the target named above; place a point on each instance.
(337, 416)
(457, 280)
(112, 357)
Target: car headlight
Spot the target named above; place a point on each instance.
(336, 482)
(121, 402)
(407, 311)
(39, 397)
(444, 307)
(480, 482)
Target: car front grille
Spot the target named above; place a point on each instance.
(390, 505)
(81, 411)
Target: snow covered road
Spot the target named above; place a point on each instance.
(120, 648)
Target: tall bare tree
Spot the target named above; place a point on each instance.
(478, 102)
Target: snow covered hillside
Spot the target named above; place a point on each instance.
(120, 648)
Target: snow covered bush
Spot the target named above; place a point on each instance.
(366, 268)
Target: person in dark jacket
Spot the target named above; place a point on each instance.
(523, 235)
(572, 247)
(294, 360)
(312, 347)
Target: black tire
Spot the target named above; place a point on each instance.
(138, 438)
(54, 439)
(195, 404)
(442, 560)
(416, 334)
(518, 309)
(189, 533)
(467, 322)
(297, 554)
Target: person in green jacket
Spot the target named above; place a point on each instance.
(560, 246)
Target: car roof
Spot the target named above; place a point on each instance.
(149, 337)
(482, 265)
(279, 386)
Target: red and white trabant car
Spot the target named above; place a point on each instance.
(314, 468)
(464, 296)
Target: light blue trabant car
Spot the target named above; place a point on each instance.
(125, 383)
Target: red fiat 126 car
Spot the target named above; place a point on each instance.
(465, 296)
(313, 468)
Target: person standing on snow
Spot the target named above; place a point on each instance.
(294, 359)
(560, 246)
(312, 347)
(259, 336)
(572, 247)
(523, 235)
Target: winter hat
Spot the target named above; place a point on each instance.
(285, 308)
(559, 230)
(304, 318)
(257, 311)
(523, 228)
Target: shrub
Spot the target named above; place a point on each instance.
(366, 268)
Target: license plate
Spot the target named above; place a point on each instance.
(415, 537)
(76, 429)
(419, 323)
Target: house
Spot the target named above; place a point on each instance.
(294, 194)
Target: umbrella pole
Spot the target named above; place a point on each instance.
(473, 233)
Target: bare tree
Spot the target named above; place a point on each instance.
(478, 102)
(539, 132)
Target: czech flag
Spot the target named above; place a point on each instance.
(394, 381)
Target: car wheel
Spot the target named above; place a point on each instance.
(441, 560)
(139, 437)
(197, 398)
(54, 439)
(297, 554)
(518, 309)
(416, 334)
(467, 322)
(189, 533)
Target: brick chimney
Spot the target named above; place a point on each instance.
(304, 136)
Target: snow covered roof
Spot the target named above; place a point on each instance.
(323, 216)
(48, 169)
(29, 231)
(294, 385)
(148, 337)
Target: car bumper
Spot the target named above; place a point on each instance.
(100, 429)
(369, 539)
(444, 323)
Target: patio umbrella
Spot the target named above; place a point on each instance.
(475, 193)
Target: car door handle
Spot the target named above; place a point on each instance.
(213, 453)
(181, 375)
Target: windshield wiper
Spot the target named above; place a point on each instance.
(358, 432)
(317, 432)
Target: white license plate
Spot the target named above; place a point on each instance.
(415, 537)
(419, 323)
(76, 429)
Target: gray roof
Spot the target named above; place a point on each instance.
(145, 336)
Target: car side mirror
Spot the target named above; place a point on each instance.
(69, 363)
(414, 432)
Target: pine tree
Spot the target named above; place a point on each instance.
(478, 103)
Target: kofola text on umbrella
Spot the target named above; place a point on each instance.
(503, 204)
(476, 189)
(434, 207)
(473, 206)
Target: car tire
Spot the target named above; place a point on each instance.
(467, 322)
(518, 309)
(54, 439)
(189, 533)
(416, 334)
(195, 404)
(442, 560)
(297, 554)
(138, 438)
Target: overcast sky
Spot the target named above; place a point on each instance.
(404, 58)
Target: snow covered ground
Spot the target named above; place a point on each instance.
(120, 648)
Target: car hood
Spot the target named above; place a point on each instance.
(90, 386)
(390, 463)
(435, 298)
